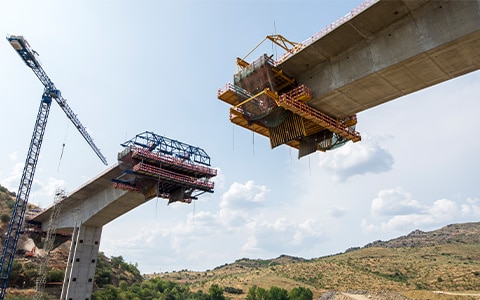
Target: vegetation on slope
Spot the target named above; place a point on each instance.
(447, 259)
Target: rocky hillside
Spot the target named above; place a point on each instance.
(412, 266)
(30, 253)
(466, 233)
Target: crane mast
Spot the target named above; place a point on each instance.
(29, 56)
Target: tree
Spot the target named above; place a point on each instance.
(55, 275)
(103, 276)
(276, 293)
(257, 293)
(252, 293)
(300, 293)
(216, 292)
(5, 218)
(109, 292)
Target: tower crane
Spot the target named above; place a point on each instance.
(30, 57)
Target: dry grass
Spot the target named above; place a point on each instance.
(413, 272)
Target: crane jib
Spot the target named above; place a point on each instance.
(30, 57)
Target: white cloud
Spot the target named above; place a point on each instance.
(47, 190)
(394, 211)
(244, 196)
(337, 212)
(282, 235)
(444, 209)
(471, 207)
(240, 202)
(367, 156)
(13, 156)
(394, 202)
(13, 179)
(239, 227)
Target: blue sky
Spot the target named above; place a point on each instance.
(129, 66)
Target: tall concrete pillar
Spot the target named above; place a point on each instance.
(82, 261)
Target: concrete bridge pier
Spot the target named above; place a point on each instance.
(82, 261)
(84, 213)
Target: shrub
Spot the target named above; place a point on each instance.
(5, 218)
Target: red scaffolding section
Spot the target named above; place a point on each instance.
(165, 169)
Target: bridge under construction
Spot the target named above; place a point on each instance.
(309, 98)
(149, 166)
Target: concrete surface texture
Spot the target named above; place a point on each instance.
(391, 49)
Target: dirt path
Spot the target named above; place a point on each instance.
(355, 296)
(458, 294)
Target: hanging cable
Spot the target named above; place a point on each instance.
(63, 147)
(60, 160)
(193, 217)
(233, 137)
(309, 168)
(253, 143)
(274, 49)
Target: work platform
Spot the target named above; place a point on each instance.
(157, 166)
(378, 52)
(271, 103)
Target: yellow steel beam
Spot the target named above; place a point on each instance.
(282, 42)
(265, 91)
(242, 63)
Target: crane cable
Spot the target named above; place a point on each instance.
(63, 148)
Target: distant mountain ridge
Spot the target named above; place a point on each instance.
(411, 266)
(467, 233)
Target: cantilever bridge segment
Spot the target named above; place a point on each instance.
(378, 52)
(149, 166)
(310, 97)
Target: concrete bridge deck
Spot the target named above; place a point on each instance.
(391, 49)
(95, 203)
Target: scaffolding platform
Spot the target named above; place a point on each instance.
(300, 123)
(268, 101)
(157, 166)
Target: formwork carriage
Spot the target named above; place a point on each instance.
(266, 100)
(160, 167)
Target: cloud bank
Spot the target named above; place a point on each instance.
(241, 227)
(394, 210)
(361, 158)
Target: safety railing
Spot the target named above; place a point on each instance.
(147, 169)
(329, 28)
(236, 89)
(173, 162)
(300, 93)
(288, 102)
